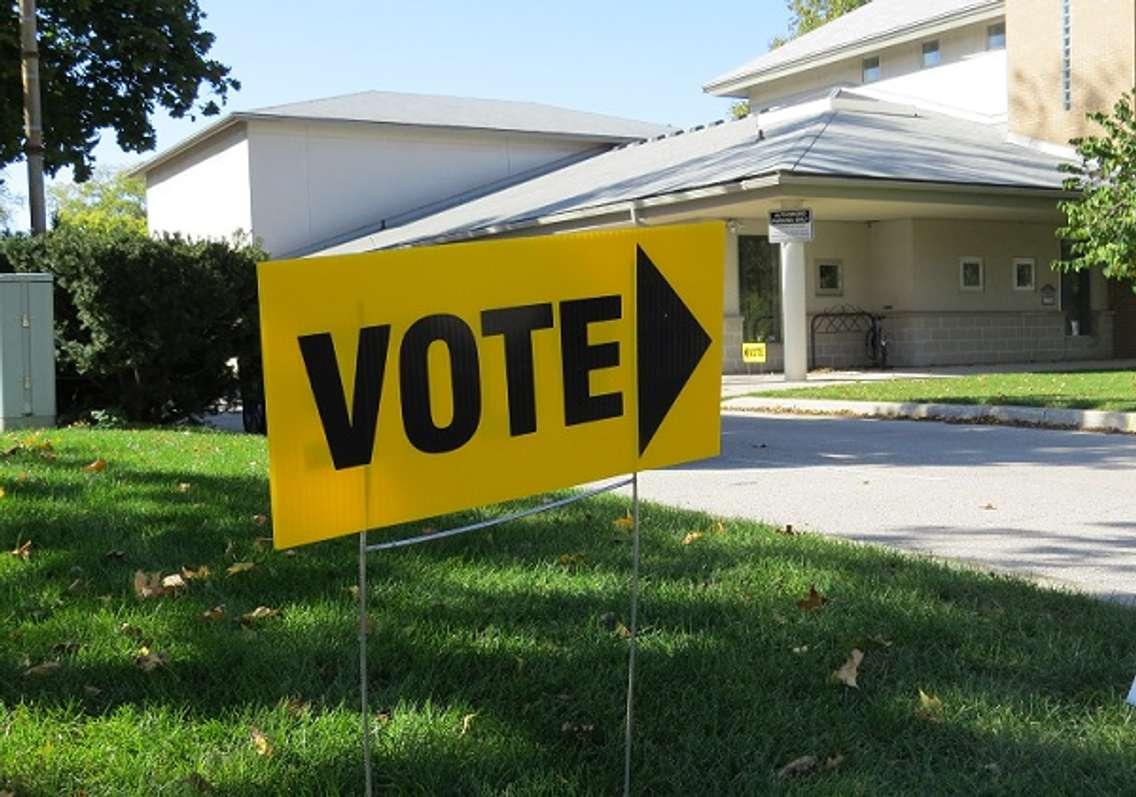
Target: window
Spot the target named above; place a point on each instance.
(931, 56)
(870, 71)
(972, 274)
(1076, 298)
(759, 287)
(996, 37)
(830, 278)
(1024, 273)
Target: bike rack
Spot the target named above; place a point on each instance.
(834, 320)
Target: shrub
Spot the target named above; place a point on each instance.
(145, 326)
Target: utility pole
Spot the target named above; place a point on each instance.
(33, 120)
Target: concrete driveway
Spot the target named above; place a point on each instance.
(1057, 506)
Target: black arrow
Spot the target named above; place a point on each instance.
(669, 347)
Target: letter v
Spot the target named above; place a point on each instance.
(350, 440)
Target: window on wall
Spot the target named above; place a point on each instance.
(996, 37)
(931, 55)
(1066, 57)
(1024, 273)
(870, 70)
(830, 278)
(759, 287)
(972, 274)
(1076, 298)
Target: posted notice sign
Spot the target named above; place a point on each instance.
(753, 353)
(411, 383)
(790, 226)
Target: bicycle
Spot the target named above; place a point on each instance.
(876, 342)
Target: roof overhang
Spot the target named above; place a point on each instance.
(723, 200)
(737, 84)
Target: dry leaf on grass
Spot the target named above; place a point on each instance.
(850, 669)
(467, 720)
(259, 613)
(989, 506)
(801, 649)
(263, 543)
(173, 581)
(239, 567)
(805, 765)
(2, 492)
(147, 660)
(40, 670)
(260, 742)
(115, 553)
(22, 550)
(813, 601)
(622, 631)
(4, 793)
(98, 466)
(259, 520)
(132, 631)
(216, 613)
(626, 522)
(930, 707)
(148, 585)
(184, 487)
(692, 537)
(198, 574)
(833, 761)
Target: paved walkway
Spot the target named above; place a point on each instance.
(1054, 505)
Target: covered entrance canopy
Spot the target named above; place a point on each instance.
(936, 220)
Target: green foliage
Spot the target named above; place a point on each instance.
(107, 64)
(109, 200)
(145, 326)
(739, 110)
(1101, 222)
(807, 15)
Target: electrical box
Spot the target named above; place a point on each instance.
(27, 351)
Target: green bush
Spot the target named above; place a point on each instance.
(145, 326)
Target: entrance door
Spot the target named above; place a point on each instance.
(1124, 303)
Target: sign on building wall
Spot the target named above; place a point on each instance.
(790, 226)
(406, 384)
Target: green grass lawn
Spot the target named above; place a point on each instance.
(497, 659)
(1090, 390)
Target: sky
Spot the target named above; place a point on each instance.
(639, 59)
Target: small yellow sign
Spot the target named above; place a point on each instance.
(412, 383)
(753, 352)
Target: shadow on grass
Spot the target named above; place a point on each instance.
(520, 627)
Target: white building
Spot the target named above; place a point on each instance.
(304, 176)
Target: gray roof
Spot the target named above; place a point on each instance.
(840, 140)
(879, 20)
(431, 110)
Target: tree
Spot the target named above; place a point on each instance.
(1101, 222)
(108, 64)
(110, 199)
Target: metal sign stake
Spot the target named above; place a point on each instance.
(634, 633)
(367, 788)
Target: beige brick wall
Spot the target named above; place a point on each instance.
(1103, 61)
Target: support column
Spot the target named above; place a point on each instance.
(794, 320)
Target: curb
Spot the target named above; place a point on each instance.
(1086, 420)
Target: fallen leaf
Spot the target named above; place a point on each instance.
(850, 669)
(132, 631)
(259, 613)
(467, 720)
(297, 707)
(259, 520)
(813, 602)
(184, 487)
(173, 581)
(22, 551)
(353, 591)
(147, 660)
(40, 670)
(719, 527)
(260, 742)
(833, 761)
(801, 649)
(216, 613)
(98, 466)
(92, 691)
(879, 640)
(805, 765)
(195, 575)
(691, 537)
(115, 554)
(989, 506)
(930, 707)
(625, 522)
(239, 567)
(622, 631)
(2, 493)
(10, 450)
(148, 585)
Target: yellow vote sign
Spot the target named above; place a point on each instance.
(753, 352)
(406, 384)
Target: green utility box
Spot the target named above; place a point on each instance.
(27, 351)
